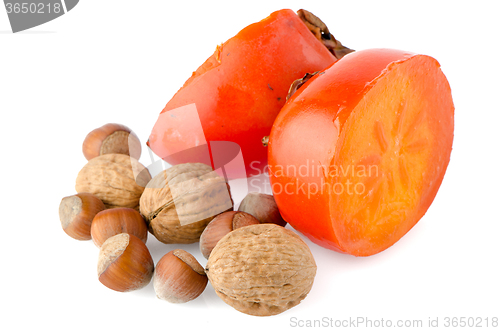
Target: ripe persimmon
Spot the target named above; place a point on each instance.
(240, 89)
(358, 153)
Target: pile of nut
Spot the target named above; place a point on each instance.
(255, 264)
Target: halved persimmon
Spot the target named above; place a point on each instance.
(241, 88)
(358, 153)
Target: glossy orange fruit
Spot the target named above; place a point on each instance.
(239, 91)
(358, 153)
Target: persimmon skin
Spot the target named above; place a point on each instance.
(310, 134)
(240, 89)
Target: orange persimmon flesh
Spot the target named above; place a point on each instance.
(358, 153)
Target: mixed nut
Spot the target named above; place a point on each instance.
(254, 264)
(261, 269)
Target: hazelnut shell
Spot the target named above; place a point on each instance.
(111, 138)
(221, 225)
(110, 222)
(76, 213)
(263, 207)
(178, 277)
(124, 263)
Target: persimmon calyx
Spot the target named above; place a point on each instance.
(265, 141)
(298, 83)
(320, 30)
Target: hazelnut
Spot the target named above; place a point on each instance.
(221, 225)
(178, 277)
(124, 263)
(261, 270)
(110, 222)
(111, 138)
(76, 213)
(263, 207)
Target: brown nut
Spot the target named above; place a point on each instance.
(117, 179)
(179, 202)
(221, 225)
(76, 213)
(111, 138)
(261, 269)
(263, 207)
(110, 222)
(125, 263)
(178, 277)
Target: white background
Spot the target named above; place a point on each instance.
(121, 61)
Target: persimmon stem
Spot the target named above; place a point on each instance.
(320, 30)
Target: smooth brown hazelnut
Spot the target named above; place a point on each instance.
(124, 263)
(263, 207)
(178, 277)
(110, 222)
(221, 225)
(76, 213)
(111, 138)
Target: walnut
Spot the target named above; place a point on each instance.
(179, 202)
(261, 269)
(117, 179)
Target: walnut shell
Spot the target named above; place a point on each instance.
(261, 269)
(179, 202)
(117, 179)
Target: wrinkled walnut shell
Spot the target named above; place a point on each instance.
(117, 179)
(179, 202)
(261, 269)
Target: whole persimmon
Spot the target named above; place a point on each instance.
(358, 153)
